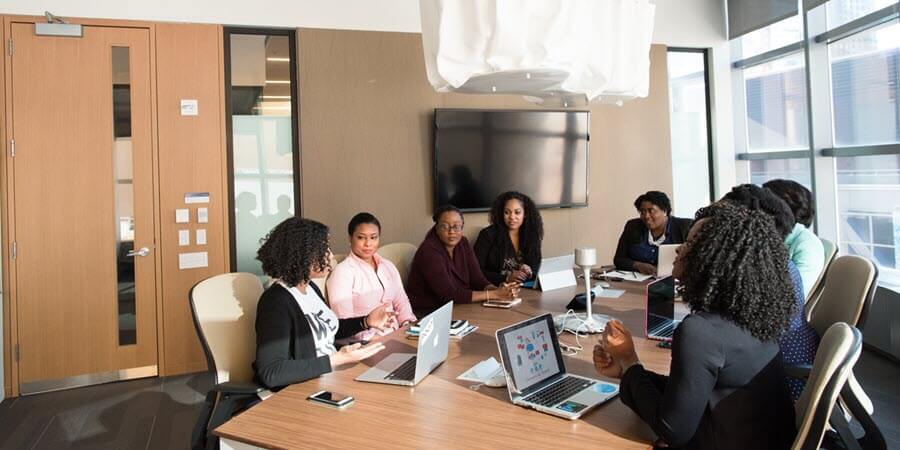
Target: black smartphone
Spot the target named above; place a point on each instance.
(331, 399)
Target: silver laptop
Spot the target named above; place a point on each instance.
(409, 369)
(536, 375)
(661, 320)
(666, 260)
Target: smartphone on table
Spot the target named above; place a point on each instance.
(332, 399)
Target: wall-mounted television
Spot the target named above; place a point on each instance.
(479, 154)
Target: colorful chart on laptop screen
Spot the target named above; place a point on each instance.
(531, 354)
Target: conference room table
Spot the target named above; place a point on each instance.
(444, 412)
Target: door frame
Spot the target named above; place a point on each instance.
(7, 196)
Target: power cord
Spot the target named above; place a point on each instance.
(568, 350)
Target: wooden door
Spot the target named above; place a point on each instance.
(83, 202)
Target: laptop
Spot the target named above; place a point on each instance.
(665, 260)
(409, 369)
(536, 375)
(660, 321)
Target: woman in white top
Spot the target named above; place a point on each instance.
(295, 330)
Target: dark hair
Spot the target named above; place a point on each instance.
(737, 266)
(532, 231)
(292, 248)
(754, 197)
(797, 197)
(360, 219)
(446, 208)
(658, 198)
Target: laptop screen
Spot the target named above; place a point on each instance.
(531, 351)
(660, 303)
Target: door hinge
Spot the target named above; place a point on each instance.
(13, 250)
(9, 47)
(18, 355)
(12, 147)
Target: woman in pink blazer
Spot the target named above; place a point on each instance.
(365, 280)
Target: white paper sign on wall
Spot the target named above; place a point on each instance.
(189, 107)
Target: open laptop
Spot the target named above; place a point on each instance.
(409, 369)
(661, 321)
(665, 260)
(536, 375)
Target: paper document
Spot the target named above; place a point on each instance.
(481, 372)
(610, 293)
(627, 275)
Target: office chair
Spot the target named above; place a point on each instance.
(223, 309)
(401, 254)
(320, 281)
(839, 350)
(812, 295)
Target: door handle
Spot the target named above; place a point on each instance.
(144, 251)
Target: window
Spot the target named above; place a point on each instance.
(776, 105)
(263, 140)
(777, 35)
(688, 116)
(865, 71)
(840, 12)
(796, 169)
(869, 207)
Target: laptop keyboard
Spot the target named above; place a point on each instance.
(559, 391)
(406, 371)
(664, 329)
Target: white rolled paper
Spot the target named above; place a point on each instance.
(586, 257)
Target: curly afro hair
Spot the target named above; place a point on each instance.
(797, 197)
(754, 197)
(532, 232)
(737, 266)
(660, 199)
(292, 248)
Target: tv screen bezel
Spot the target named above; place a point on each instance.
(587, 157)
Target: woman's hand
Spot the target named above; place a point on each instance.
(517, 276)
(507, 291)
(381, 318)
(528, 272)
(354, 352)
(645, 268)
(605, 364)
(617, 342)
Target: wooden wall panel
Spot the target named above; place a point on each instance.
(366, 143)
(191, 159)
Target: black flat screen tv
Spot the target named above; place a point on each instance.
(479, 154)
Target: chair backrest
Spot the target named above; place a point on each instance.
(846, 294)
(812, 294)
(320, 281)
(224, 312)
(838, 351)
(401, 254)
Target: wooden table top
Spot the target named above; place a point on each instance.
(445, 412)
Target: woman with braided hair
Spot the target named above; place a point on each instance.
(726, 384)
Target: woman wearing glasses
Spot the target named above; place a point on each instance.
(445, 268)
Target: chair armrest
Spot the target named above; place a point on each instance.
(800, 371)
(234, 387)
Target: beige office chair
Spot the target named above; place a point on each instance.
(812, 295)
(840, 347)
(401, 254)
(223, 308)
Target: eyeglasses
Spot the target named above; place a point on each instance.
(445, 227)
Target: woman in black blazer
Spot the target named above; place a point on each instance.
(726, 385)
(638, 248)
(295, 330)
(509, 250)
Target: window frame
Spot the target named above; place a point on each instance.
(291, 34)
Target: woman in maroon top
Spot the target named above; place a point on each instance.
(445, 267)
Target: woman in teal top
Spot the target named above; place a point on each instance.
(804, 247)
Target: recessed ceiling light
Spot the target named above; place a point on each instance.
(274, 59)
(278, 81)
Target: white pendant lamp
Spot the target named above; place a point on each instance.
(554, 52)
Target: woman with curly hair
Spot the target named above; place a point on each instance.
(726, 384)
(638, 248)
(804, 247)
(510, 248)
(295, 330)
